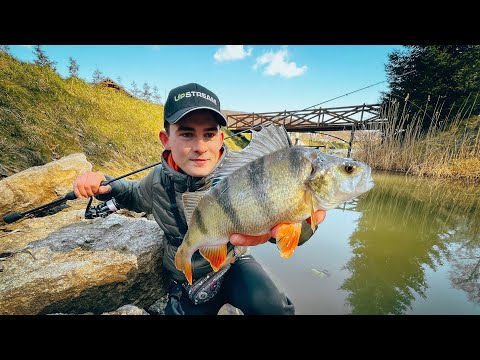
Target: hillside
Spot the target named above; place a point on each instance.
(45, 117)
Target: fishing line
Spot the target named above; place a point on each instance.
(366, 87)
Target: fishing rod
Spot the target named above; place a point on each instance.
(100, 211)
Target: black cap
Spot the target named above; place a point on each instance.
(189, 97)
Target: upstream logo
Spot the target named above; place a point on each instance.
(188, 94)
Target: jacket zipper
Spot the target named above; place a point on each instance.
(189, 181)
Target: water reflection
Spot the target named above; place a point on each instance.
(407, 226)
(465, 271)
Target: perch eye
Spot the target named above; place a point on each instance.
(349, 168)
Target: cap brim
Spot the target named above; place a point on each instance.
(172, 119)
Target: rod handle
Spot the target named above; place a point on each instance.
(10, 218)
(70, 196)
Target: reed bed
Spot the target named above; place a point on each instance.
(449, 148)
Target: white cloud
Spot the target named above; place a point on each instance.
(232, 52)
(276, 64)
(27, 46)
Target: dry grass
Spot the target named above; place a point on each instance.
(45, 117)
(122, 132)
(449, 149)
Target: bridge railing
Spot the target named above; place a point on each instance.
(334, 118)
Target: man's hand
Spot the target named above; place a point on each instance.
(88, 184)
(248, 240)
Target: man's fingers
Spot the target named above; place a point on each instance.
(88, 184)
(320, 216)
(75, 189)
(104, 189)
(274, 231)
(81, 186)
(92, 184)
(248, 240)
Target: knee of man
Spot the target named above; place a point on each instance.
(273, 305)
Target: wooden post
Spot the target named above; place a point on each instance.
(353, 132)
(351, 141)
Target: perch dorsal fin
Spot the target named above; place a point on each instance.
(190, 202)
(264, 141)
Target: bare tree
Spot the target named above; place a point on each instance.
(134, 90)
(73, 67)
(156, 96)
(146, 94)
(119, 81)
(42, 59)
(97, 76)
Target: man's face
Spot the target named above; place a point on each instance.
(195, 142)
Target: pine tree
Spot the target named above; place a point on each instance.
(42, 59)
(73, 67)
(97, 76)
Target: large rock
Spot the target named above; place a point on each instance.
(127, 310)
(124, 310)
(40, 184)
(88, 266)
(19, 234)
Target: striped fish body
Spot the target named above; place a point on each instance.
(284, 187)
(253, 199)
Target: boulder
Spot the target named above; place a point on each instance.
(39, 185)
(93, 265)
(127, 310)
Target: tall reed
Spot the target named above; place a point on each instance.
(449, 148)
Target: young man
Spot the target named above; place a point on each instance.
(194, 146)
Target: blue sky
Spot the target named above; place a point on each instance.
(250, 78)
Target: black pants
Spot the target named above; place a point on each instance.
(246, 286)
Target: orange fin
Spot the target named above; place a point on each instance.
(287, 238)
(184, 264)
(216, 255)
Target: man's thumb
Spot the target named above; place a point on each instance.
(104, 189)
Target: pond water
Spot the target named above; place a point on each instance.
(408, 246)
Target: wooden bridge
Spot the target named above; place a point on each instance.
(311, 120)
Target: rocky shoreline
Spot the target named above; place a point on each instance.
(62, 263)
